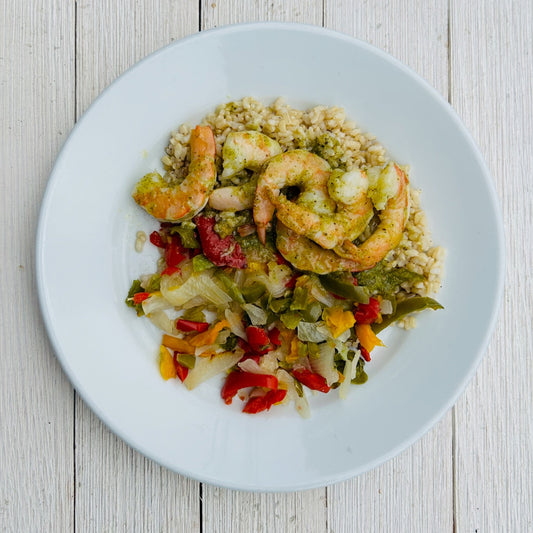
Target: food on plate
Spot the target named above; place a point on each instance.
(289, 241)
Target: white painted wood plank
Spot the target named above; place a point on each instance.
(414, 491)
(117, 489)
(217, 13)
(36, 400)
(492, 74)
(227, 510)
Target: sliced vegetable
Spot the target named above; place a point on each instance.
(206, 367)
(264, 403)
(257, 316)
(187, 234)
(360, 375)
(199, 284)
(309, 332)
(209, 336)
(258, 338)
(230, 286)
(190, 325)
(177, 344)
(337, 320)
(291, 319)
(367, 337)
(411, 305)
(340, 286)
(173, 252)
(325, 363)
(367, 313)
(156, 239)
(241, 380)
(140, 297)
(200, 262)
(166, 364)
(135, 288)
(380, 280)
(185, 359)
(170, 270)
(181, 370)
(221, 252)
(253, 293)
(311, 380)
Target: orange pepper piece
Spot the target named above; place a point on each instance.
(367, 337)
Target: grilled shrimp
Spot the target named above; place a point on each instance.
(165, 201)
(242, 150)
(387, 235)
(247, 149)
(331, 207)
(306, 255)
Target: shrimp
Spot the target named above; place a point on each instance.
(315, 214)
(165, 201)
(389, 232)
(247, 149)
(304, 254)
(235, 197)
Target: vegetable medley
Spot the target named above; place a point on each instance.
(240, 309)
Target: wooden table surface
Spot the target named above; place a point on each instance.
(61, 469)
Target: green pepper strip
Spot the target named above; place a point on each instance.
(299, 299)
(355, 293)
(200, 262)
(312, 312)
(416, 303)
(280, 305)
(188, 238)
(291, 319)
(253, 293)
(187, 360)
(231, 287)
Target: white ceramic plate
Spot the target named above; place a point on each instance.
(86, 261)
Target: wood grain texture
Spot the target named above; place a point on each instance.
(472, 472)
(117, 489)
(492, 74)
(36, 401)
(413, 492)
(227, 510)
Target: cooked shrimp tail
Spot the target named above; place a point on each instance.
(234, 197)
(170, 202)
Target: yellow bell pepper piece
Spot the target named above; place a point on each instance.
(166, 364)
(293, 356)
(209, 336)
(337, 320)
(179, 345)
(367, 337)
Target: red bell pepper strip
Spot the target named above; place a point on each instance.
(364, 352)
(241, 380)
(190, 325)
(311, 380)
(181, 371)
(274, 337)
(264, 403)
(367, 313)
(173, 252)
(170, 270)
(249, 350)
(221, 252)
(156, 239)
(280, 260)
(257, 338)
(256, 357)
(140, 297)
